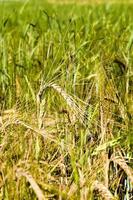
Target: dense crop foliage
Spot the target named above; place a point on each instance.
(66, 101)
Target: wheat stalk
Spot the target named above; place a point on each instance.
(40, 105)
(73, 189)
(31, 180)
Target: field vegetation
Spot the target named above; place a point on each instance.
(66, 101)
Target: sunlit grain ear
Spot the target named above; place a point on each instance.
(122, 163)
(70, 101)
(103, 191)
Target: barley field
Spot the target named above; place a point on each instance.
(66, 100)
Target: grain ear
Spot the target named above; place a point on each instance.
(33, 183)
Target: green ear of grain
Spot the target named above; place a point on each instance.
(30, 89)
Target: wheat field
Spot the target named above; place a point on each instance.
(66, 100)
